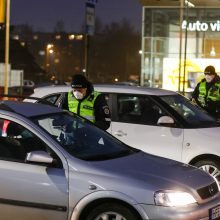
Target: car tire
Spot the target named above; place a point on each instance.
(112, 211)
(210, 166)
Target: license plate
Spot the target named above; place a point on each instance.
(214, 213)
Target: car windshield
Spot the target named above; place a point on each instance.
(193, 115)
(81, 138)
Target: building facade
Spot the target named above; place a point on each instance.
(59, 54)
(179, 39)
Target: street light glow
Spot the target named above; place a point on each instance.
(49, 46)
(79, 37)
(58, 37)
(71, 37)
(51, 51)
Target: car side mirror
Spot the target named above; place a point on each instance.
(165, 121)
(39, 157)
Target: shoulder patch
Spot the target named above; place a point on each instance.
(106, 110)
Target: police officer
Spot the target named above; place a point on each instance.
(207, 92)
(86, 102)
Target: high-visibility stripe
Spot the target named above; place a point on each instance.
(2, 11)
(84, 108)
(91, 118)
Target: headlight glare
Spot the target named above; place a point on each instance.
(172, 198)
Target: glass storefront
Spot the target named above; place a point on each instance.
(177, 45)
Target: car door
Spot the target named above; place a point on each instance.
(134, 122)
(29, 191)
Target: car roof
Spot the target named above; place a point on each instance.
(132, 89)
(28, 109)
(107, 88)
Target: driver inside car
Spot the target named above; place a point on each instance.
(66, 136)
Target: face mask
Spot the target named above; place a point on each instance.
(78, 95)
(209, 78)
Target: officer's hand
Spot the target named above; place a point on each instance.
(193, 100)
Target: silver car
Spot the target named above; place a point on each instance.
(56, 165)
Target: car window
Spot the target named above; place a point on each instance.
(82, 139)
(52, 98)
(138, 110)
(16, 141)
(192, 114)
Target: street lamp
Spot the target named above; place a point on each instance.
(6, 74)
(49, 46)
(186, 7)
(49, 52)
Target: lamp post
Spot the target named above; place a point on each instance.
(89, 31)
(2, 11)
(188, 5)
(49, 51)
(185, 48)
(180, 45)
(7, 46)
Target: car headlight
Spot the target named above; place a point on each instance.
(173, 198)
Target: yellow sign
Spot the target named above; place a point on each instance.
(194, 69)
(2, 11)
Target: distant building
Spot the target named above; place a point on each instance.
(60, 55)
(21, 58)
(179, 38)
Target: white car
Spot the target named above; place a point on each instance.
(159, 122)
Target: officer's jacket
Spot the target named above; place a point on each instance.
(93, 107)
(84, 108)
(211, 93)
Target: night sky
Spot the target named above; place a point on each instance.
(43, 14)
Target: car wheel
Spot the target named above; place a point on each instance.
(210, 166)
(111, 211)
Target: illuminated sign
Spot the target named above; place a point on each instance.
(194, 72)
(201, 26)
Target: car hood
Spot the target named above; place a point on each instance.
(144, 171)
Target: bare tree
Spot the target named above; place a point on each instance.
(114, 52)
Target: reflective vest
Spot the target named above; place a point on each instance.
(212, 94)
(84, 108)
